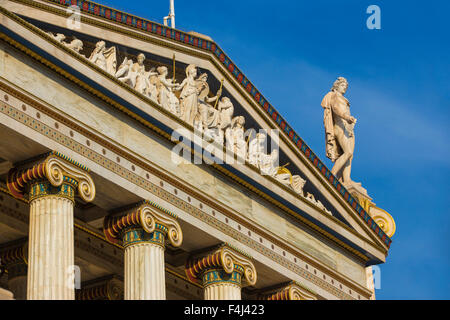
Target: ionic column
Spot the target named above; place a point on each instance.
(143, 232)
(51, 184)
(221, 272)
(291, 291)
(14, 257)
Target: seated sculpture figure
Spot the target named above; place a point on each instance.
(235, 137)
(256, 148)
(106, 59)
(207, 116)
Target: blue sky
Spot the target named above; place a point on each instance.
(399, 92)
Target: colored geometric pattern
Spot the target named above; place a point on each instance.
(179, 36)
(44, 188)
(138, 236)
(217, 276)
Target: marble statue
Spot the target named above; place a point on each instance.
(235, 137)
(339, 132)
(297, 184)
(310, 197)
(268, 166)
(195, 107)
(106, 59)
(124, 70)
(189, 95)
(226, 111)
(166, 97)
(134, 74)
(58, 37)
(75, 45)
(256, 148)
(152, 85)
(207, 118)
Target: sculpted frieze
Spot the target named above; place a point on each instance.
(212, 116)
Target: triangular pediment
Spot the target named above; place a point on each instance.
(305, 187)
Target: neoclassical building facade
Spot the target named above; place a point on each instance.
(138, 162)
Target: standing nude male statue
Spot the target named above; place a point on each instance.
(339, 132)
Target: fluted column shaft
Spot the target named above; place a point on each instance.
(51, 244)
(145, 272)
(218, 285)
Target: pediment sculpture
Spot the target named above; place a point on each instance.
(213, 116)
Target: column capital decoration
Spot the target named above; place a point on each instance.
(58, 170)
(225, 257)
(145, 216)
(14, 257)
(109, 288)
(14, 252)
(291, 291)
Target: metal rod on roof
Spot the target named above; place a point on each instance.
(171, 15)
(172, 12)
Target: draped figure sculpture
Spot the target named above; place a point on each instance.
(134, 74)
(106, 59)
(207, 117)
(226, 111)
(189, 95)
(166, 97)
(235, 138)
(195, 106)
(339, 133)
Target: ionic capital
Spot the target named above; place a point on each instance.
(291, 291)
(227, 258)
(14, 257)
(109, 288)
(146, 219)
(54, 170)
